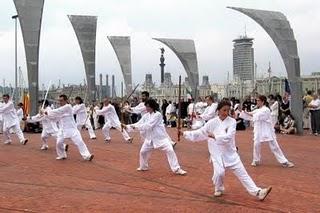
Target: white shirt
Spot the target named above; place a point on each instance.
(20, 114)
(275, 109)
(9, 115)
(64, 115)
(191, 108)
(263, 129)
(110, 115)
(48, 125)
(209, 112)
(139, 109)
(80, 111)
(222, 149)
(170, 109)
(315, 103)
(154, 130)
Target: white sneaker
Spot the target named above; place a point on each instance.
(89, 158)
(218, 193)
(180, 172)
(93, 138)
(142, 169)
(24, 142)
(130, 140)
(255, 163)
(263, 193)
(107, 140)
(44, 147)
(288, 165)
(61, 157)
(7, 142)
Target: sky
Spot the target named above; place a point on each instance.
(208, 22)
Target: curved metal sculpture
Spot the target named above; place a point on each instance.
(122, 48)
(85, 28)
(186, 52)
(30, 16)
(279, 29)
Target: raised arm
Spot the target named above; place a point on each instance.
(199, 134)
(6, 107)
(104, 110)
(147, 125)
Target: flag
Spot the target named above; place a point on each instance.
(26, 104)
(287, 86)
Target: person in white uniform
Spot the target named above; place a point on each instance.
(155, 137)
(11, 121)
(142, 110)
(49, 127)
(20, 111)
(263, 131)
(111, 120)
(274, 107)
(220, 134)
(67, 129)
(209, 113)
(82, 118)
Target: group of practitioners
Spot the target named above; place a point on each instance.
(213, 124)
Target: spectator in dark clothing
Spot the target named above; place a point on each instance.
(247, 104)
(163, 110)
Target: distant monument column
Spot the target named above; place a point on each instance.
(107, 86)
(278, 27)
(85, 28)
(30, 16)
(113, 92)
(162, 64)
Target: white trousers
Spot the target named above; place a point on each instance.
(145, 153)
(45, 136)
(76, 138)
(239, 171)
(274, 147)
(16, 129)
(106, 131)
(87, 125)
(274, 120)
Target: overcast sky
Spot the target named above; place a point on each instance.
(208, 22)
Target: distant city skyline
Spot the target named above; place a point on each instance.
(211, 25)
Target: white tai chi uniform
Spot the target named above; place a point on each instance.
(209, 113)
(140, 109)
(274, 113)
(67, 129)
(223, 152)
(111, 120)
(264, 132)
(10, 122)
(83, 119)
(95, 118)
(156, 137)
(49, 127)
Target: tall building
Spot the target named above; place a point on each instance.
(243, 59)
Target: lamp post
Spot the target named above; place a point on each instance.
(15, 17)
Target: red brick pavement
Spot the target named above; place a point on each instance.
(33, 181)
